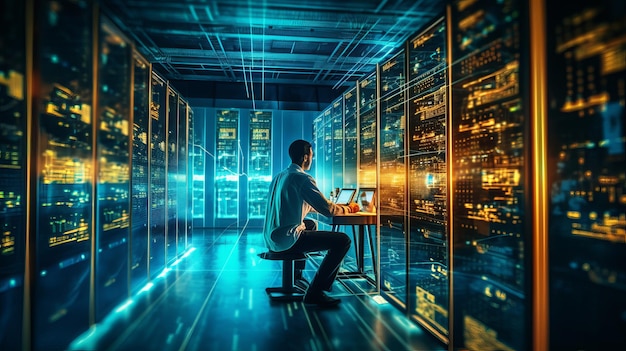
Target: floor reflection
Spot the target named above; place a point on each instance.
(215, 299)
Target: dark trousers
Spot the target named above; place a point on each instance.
(299, 265)
(336, 245)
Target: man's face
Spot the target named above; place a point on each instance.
(308, 160)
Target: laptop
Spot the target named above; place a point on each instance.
(367, 200)
(345, 196)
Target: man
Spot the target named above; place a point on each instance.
(293, 194)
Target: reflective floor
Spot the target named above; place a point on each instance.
(215, 299)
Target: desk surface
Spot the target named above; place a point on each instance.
(357, 218)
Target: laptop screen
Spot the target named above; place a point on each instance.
(366, 200)
(345, 196)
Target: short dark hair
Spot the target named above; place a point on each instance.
(298, 149)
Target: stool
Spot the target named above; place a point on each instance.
(288, 291)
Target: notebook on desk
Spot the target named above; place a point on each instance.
(367, 200)
(345, 196)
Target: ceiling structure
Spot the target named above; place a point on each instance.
(291, 42)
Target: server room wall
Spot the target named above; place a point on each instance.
(238, 206)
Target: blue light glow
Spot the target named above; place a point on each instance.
(147, 287)
(124, 306)
(164, 273)
(430, 180)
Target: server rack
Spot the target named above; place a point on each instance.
(157, 156)
(350, 138)
(391, 161)
(140, 180)
(337, 155)
(585, 173)
(259, 162)
(427, 179)
(63, 164)
(14, 140)
(189, 175)
(227, 166)
(113, 146)
(182, 211)
(367, 130)
(490, 171)
(171, 170)
(70, 249)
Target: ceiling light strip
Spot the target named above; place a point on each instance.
(251, 53)
(263, 56)
(243, 68)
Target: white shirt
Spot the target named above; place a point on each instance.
(293, 194)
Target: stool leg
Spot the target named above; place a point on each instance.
(287, 275)
(286, 292)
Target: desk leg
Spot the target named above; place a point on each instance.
(372, 249)
(360, 259)
(357, 247)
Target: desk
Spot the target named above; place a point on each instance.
(362, 220)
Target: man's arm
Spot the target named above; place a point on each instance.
(314, 197)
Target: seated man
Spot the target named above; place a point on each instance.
(293, 194)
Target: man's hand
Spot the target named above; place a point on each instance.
(354, 207)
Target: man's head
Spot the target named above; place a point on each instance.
(301, 153)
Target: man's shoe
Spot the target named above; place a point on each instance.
(320, 299)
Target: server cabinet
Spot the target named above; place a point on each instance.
(63, 162)
(140, 180)
(586, 70)
(181, 183)
(350, 139)
(171, 187)
(191, 154)
(391, 187)
(337, 144)
(490, 221)
(157, 151)
(427, 179)
(318, 168)
(367, 142)
(259, 162)
(326, 178)
(113, 168)
(227, 165)
(13, 176)
(199, 192)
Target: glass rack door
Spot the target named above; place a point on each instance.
(64, 166)
(428, 233)
(392, 180)
(490, 216)
(586, 142)
(13, 166)
(259, 162)
(140, 209)
(113, 165)
(350, 139)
